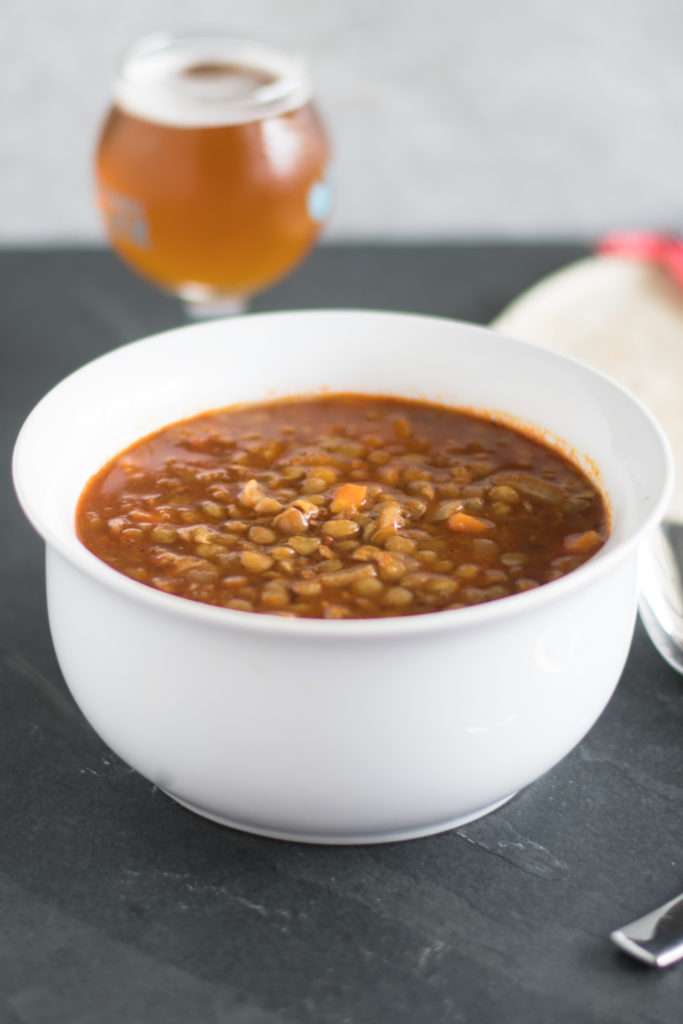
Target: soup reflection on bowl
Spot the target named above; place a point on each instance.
(251, 693)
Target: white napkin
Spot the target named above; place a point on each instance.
(623, 317)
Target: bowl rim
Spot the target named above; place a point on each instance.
(184, 608)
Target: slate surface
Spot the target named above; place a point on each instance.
(118, 906)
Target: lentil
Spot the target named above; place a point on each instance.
(299, 507)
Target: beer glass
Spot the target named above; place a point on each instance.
(212, 168)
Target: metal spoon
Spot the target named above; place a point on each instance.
(657, 938)
(660, 582)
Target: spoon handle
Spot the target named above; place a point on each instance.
(660, 580)
(656, 938)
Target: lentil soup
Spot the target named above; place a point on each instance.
(342, 506)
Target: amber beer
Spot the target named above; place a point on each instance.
(212, 166)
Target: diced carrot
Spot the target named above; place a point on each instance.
(348, 498)
(580, 542)
(462, 523)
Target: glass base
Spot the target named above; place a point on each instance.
(203, 303)
(198, 310)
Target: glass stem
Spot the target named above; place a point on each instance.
(227, 306)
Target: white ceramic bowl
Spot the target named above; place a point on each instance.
(339, 731)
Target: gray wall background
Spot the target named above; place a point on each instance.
(462, 119)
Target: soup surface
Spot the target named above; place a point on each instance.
(342, 506)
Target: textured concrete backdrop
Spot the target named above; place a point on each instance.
(450, 118)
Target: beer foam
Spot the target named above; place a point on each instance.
(208, 82)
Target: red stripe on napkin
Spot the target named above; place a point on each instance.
(648, 247)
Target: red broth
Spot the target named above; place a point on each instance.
(342, 506)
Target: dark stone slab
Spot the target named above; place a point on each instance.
(119, 906)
